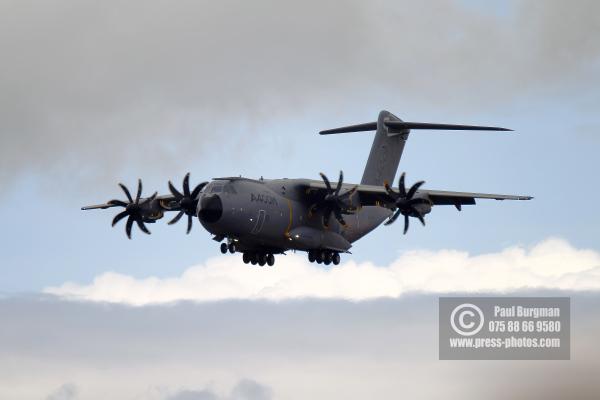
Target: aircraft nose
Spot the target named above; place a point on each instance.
(211, 209)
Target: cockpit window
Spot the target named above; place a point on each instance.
(228, 188)
(217, 189)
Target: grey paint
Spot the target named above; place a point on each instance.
(273, 215)
(385, 153)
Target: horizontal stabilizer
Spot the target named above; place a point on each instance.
(401, 125)
(406, 126)
(369, 126)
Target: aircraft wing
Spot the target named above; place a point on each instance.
(369, 195)
(165, 200)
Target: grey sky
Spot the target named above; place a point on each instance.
(289, 350)
(89, 88)
(92, 93)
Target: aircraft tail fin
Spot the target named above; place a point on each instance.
(389, 142)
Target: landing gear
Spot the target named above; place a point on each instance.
(259, 258)
(246, 257)
(262, 259)
(319, 257)
(324, 257)
(223, 248)
(231, 247)
(336, 258)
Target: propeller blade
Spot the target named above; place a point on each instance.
(338, 216)
(401, 186)
(189, 226)
(126, 192)
(177, 218)
(348, 193)
(128, 226)
(186, 185)
(139, 191)
(421, 218)
(176, 193)
(406, 223)
(117, 203)
(142, 226)
(327, 183)
(393, 218)
(339, 184)
(326, 216)
(151, 198)
(198, 189)
(413, 189)
(390, 191)
(119, 217)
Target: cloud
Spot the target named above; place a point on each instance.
(550, 264)
(90, 87)
(246, 389)
(68, 391)
(301, 349)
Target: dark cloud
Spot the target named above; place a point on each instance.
(262, 350)
(89, 87)
(68, 391)
(246, 389)
(193, 395)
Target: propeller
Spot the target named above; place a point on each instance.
(188, 201)
(406, 202)
(134, 209)
(333, 202)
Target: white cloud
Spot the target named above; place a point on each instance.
(550, 264)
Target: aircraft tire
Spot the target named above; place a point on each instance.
(262, 259)
(311, 256)
(270, 259)
(336, 258)
(319, 258)
(328, 258)
(223, 248)
(231, 248)
(246, 258)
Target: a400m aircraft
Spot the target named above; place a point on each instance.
(261, 218)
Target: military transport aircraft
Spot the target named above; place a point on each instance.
(263, 217)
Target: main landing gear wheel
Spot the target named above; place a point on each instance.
(231, 248)
(223, 248)
(254, 259)
(324, 257)
(270, 259)
(262, 259)
(246, 258)
(319, 257)
(336, 258)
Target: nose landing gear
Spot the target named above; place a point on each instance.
(228, 247)
(324, 257)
